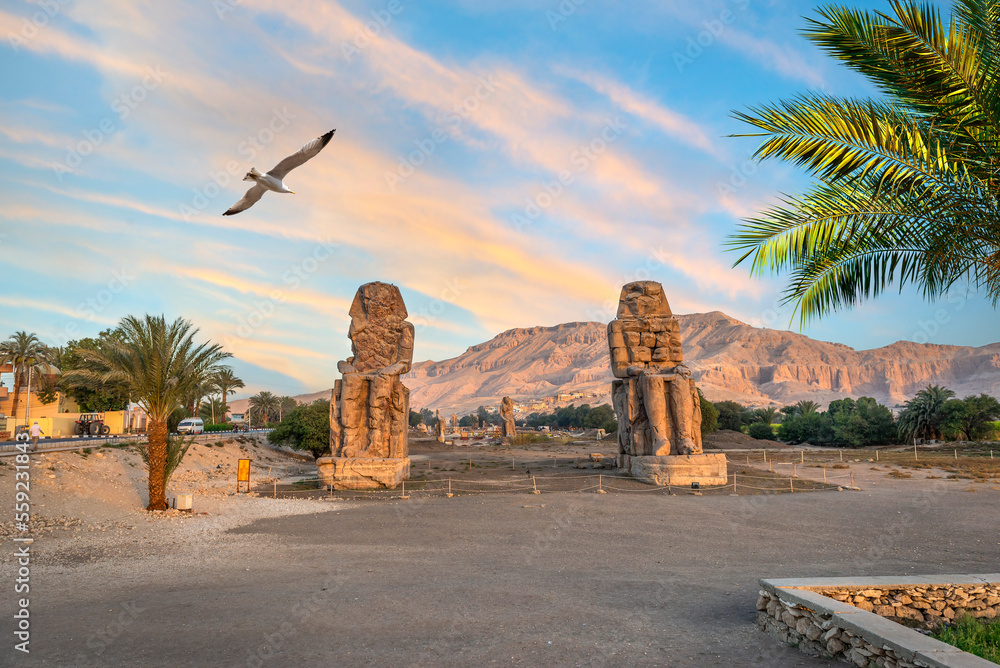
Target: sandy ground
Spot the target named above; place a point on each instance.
(566, 578)
(90, 506)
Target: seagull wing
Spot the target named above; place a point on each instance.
(301, 156)
(254, 194)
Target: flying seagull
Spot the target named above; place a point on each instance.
(273, 179)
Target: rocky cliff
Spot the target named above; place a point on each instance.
(729, 359)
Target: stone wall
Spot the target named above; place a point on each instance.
(931, 604)
(839, 622)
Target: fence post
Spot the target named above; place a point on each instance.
(791, 485)
(734, 483)
(824, 475)
(534, 485)
(802, 456)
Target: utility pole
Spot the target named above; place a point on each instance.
(27, 401)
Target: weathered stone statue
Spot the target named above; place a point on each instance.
(370, 407)
(507, 429)
(655, 400)
(453, 423)
(440, 428)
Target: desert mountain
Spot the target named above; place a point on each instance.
(728, 358)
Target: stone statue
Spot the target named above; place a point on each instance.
(507, 429)
(440, 428)
(655, 400)
(370, 407)
(453, 423)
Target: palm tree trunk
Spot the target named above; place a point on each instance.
(157, 432)
(17, 394)
(225, 413)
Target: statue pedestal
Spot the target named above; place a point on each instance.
(680, 470)
(363, 473)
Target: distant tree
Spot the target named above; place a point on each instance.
(213, 411)
(971, 416)
(765, 415)
(805, 407)
(287, 405)
(709, 415)
(47, 390)
(602, 417)
(861, 423)
(263, 407)
(305, 427)
(799, 428)
(111, 396)
(226, 383)
(761, 431)
(732, 415)
(415, 418)
(468, 421)
(923, 416)
(29, 357)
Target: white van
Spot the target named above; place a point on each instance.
(191, 426)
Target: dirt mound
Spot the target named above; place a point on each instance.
(727, 439)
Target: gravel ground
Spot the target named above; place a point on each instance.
(567, 579)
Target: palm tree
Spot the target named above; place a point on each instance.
(765, 415)
(213, 410)
(265, 405)
(908, 185)
(225, 382)
(805, 407)
(27, 355)
(161, 365)
(922, 416)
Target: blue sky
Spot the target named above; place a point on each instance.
(507, 164)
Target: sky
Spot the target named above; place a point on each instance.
(506, 164)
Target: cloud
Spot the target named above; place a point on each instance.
(783, 59)
(674, 124)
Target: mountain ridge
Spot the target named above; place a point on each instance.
(729, 359)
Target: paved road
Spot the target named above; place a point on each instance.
(8, 448)
(586, 580)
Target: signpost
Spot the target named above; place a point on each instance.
(243, 474)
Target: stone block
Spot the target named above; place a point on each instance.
(363, 473)
(681, 470)
(641, 354)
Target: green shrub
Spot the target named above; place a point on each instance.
(221, 426)
(709, 415)
(305, 428)
(732, 415)
(761, 431)
(975, 636)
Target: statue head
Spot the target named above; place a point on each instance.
(378, 323)
(643, 298)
